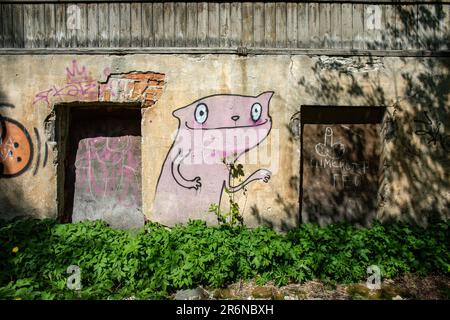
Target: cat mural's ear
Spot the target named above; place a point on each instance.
(266, 96)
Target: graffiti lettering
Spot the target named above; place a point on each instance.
(350, 173)
(78, 84)
(433, 130)
(330, 149)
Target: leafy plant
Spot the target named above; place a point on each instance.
(156, 261)
(233, 217)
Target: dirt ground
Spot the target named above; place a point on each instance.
(410, 286)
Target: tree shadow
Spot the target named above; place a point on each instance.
(413, 182)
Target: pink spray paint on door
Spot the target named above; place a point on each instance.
(104, 171)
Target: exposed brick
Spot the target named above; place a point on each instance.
(137, 76)
(153, 90)
(158, 76)
(150, 96)
(149, 103)
(158, 94)
(155, 82)
(139, 87)
(106, 96)
(130, 86)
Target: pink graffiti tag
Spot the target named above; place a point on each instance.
(78, 84)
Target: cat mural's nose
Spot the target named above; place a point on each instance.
(235, 118)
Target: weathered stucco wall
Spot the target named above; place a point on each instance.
(415, 135)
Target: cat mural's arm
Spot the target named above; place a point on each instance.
(261, 174)
(176, 174)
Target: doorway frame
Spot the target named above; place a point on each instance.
(62, 112)
(310, 114)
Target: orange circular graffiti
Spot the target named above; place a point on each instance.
(16, 148)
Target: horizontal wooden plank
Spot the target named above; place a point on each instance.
(219, 50)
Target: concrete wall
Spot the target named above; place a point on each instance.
(415, 135)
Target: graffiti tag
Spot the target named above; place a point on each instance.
(434, 131)
(78, 84)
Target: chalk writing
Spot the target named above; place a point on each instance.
(330, 149)
(349, 173)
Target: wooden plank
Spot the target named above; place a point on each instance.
(269, 25)
(82, 32)
(389, 33)
(347, 29)
(258, 24)
(60, 25)
(280, 24)
(191, 24)
(425, 27)
(18, 26)
(325, 25)
(39, 25)
(125, 25)
(1, 29)
(291, 24)
(206, 50)
(406, 20)
(399, 26)
(247, 24)
(336, 25)
(358, 26)
(236, 24)
(50, 25)
(202, 24)
(313, 18)
(158, 24)
(373, 26)
(28, 25)
(136, 24)
(446, 28)
(214, 24)
(224, 11)
(147, 25)
(103, 25)
(72, 23)
(169, 24)
(114, 24)
(439, 32)
(303, 38)
(7, 23)
(92, 23)
(180, 24)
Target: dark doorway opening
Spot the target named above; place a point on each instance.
(99, 171)
(340, 163)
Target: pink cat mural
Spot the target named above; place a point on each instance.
(211, 130)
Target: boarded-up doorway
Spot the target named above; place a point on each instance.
(102, 165)
(340, 164)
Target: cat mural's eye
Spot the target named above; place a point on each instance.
(201, 113)
(256, 111)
